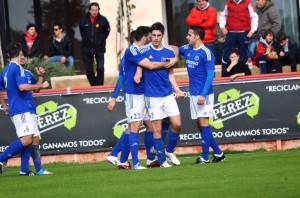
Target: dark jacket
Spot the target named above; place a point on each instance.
(64, 47)
(269, 18)
(93, 35)
(239, 68)
(293, 49)
(36, 50)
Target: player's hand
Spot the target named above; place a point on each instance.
(5, 109)
(111, 105)
(40, 71)
(45, 85)
(137, 78)
(179, 94)
(171, 62)
(281, 54)
(201, 100)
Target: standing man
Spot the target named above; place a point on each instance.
(160, 100)
(21, 108)
(200, 63)
(205, 16)
(60, 48)
(238, 22)
(94, 29)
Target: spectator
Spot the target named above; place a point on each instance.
(205, 16)
(288, 51)
(238, 22)
(266, 57)
(60, 47)
(268, 18)
(219, 42)
(236, 68)
(94, 29)
(31, 43)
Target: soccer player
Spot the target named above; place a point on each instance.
(159, 96)
(135, 91)
(200, 63)
(21, 110)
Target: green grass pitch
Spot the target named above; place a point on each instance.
(243, 174)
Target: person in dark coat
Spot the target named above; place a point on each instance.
(94, 29)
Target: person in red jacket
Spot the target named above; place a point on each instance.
(238, 22)
(205, 16)
(266, 57)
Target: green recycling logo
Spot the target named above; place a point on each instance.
(50, 116)
(298, 118)
(231, 104)
(122, 126)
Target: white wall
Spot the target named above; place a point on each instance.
(145, 13)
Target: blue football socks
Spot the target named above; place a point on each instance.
(160, 147)
(36, 157)
(173, 139)
(118, 147)
(205, 141)
(148, 141)
(13, 149)
(25, 156)
(214, 145)
(165, 126)
(134, 147)
(125, 148)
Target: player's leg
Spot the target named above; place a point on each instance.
(24, 132)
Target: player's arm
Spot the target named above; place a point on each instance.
(151, 65)
(174, 84)
(3, 103)
(207, 85)
(41, 73)
(138, 75)
(119, 85)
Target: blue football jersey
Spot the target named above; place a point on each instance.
(156, 82)
(198, 62)
(132, 57)
(11, 77)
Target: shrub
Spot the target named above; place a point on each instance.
(53, 69)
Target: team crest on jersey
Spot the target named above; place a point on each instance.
(150, 56)
(188, 54)
(196, 58)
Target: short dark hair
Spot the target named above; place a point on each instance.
(234, 51)
(198, 30)
(131, 36)
(94, 4)
(57, 24)
(158, 26)
(141, 31)
(30, 25)
(13, 49)
(280, 37)
(266, 33)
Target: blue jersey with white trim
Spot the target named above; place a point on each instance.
(132, 57)
(198, 62)
(11, 77)
(157, 82)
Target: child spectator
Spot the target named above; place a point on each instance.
(288, 51)
(266, 56)
(236, 67)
